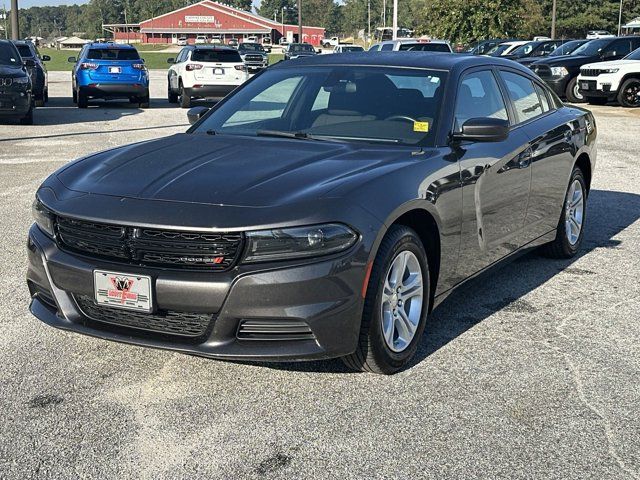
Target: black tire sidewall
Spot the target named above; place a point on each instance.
(383, 355)
(567, 248)
(621, 99)
(569, 92)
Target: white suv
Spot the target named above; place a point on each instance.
(412, 45)
(204, 72)
(619, 80)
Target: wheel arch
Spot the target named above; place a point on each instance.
(583, 162)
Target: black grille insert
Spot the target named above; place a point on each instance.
(151, 247)
(590, 72)
(279, 329)
(169, 322)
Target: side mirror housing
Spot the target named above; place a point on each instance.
(29, 63)
(171, 60)
(608, 55)
(71, 60)
(319, 50)
(196, 113)
(46, 58)
(483, 130)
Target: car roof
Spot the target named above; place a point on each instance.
(426, 60)
(212, 47)
(412, 40)
(122, 46)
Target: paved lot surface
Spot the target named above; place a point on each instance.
(533, 372)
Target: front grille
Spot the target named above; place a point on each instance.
(254, 58)
(279, 329)
(150, 247)
(543, 71)
(590, 72)
(182, 324)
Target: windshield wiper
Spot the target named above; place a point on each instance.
(281, 134)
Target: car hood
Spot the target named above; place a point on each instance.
(9, 71)
(612, 64)
(567, 60)
(229, 170)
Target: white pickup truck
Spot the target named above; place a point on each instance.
(330, 42)
(616, 80)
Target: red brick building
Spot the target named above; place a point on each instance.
(213, 19)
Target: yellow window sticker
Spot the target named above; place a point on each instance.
(420, 126)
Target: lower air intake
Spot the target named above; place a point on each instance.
(284, 329)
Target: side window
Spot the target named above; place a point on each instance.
(619, 48)
(523, 95)
(479, 97)
(544, 99)
(386, 47)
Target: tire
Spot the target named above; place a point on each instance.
(83, 100)
(28, 118)
(171, 95)
(562, 246)
(40, 101)
(74, 96)
(573, 93)
(374, 352)
(144, 101)
(629, 93)
(185, 100)
(46, 95)
(596, 100)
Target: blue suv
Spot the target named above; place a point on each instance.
(108, 71)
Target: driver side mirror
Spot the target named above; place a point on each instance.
(171, 60)
(196, 113)
(609, 54)
(46, 58)
(483, 130)
(71, 59)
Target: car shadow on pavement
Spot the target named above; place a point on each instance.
(608, 213)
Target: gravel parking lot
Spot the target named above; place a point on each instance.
(533, 372)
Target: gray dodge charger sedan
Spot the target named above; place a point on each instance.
(321, 210)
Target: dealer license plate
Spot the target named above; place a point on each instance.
(115, 70)
(218, 71)
(122, 290)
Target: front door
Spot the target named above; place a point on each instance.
(496, 177)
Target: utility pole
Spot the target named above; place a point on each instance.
(553, 20)
(384, 13)
(299, 21)
(368, 22)
(15, 24)
(395, 19)
(620, 19)
(4, 17)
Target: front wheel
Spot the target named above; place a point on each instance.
(28, 118)
(573, 91)
(629, 95)
(396, 305)
(570, 230)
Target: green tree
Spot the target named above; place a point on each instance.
(273, 9)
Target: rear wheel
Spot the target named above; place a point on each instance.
(596, 100)
(83, 100)
(185, 100)
(570, 230)
(144, 101)
(573, 91)
(629, 95)
(396, 305)
(74, 95)
(171, 95)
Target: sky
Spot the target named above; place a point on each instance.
(40, 3)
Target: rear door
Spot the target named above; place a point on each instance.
(496, 176)
(552, 150)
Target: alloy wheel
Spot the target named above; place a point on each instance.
(632, 93)
(402, 300)
(574, 212)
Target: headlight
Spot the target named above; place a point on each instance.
(299, 242)
(21, 80)
(610, 70)
(43, 217)
(559, 71)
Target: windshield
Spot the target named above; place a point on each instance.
(567, 48)
(635, 55)
(211, 55)
(525, 49)
(591, 48)
(301, 47)
(251, 47)
(113, 54)
(499, 49)
(354, 48)
(9, 56)
(424, 47)
(343, 103)
(25, 51)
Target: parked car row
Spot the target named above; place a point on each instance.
(17, 97)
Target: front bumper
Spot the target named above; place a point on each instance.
(115, 90)
(256, 67)
(323, 295)
(13, 104)
(558, 84)
(597, 87)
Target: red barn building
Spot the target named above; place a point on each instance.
(213, 19)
